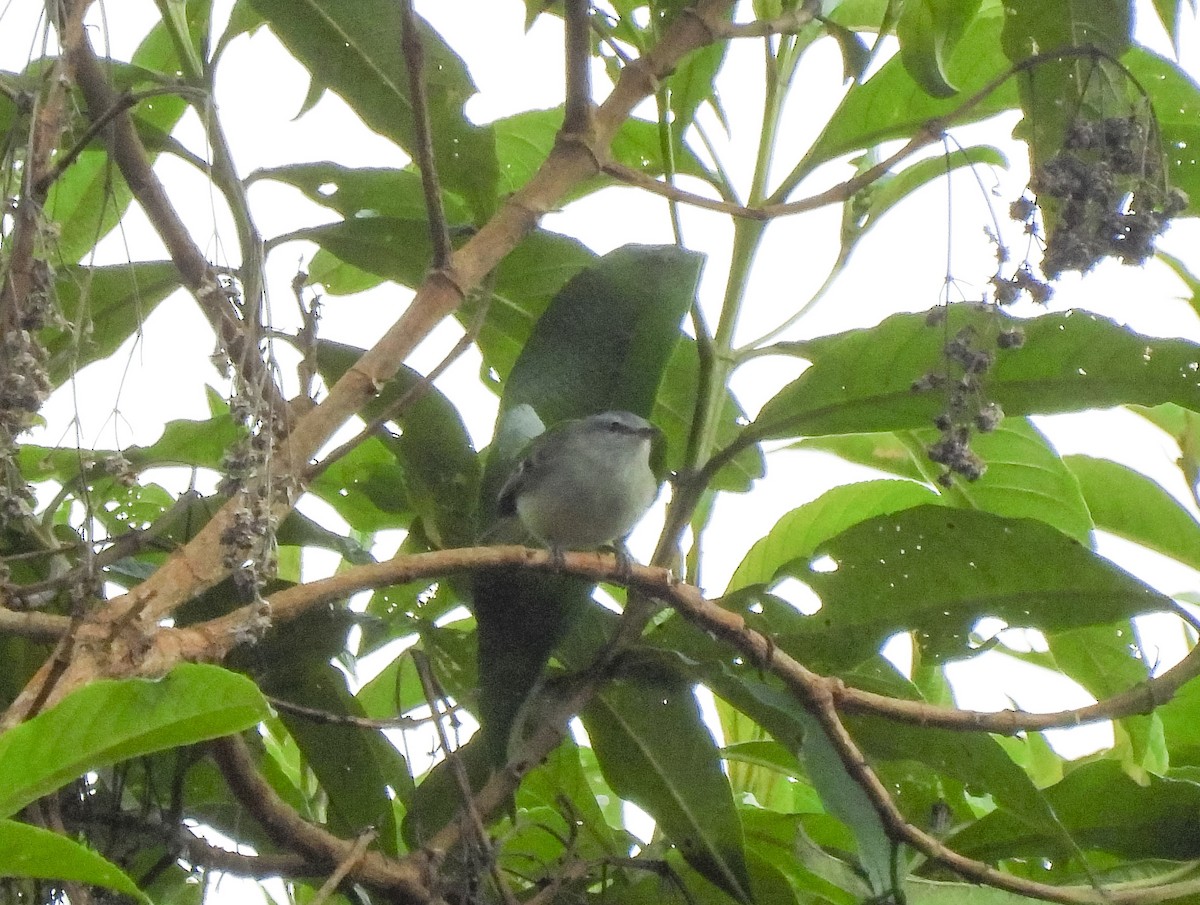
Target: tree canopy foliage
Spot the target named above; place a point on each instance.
(171, 670)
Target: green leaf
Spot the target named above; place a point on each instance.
(1056, 91)
(30, 851)
(243, 19)
(527, 279)
(607, 338)
(892, 105)
(1025, 478)
(1176, 98)
(928, 31)
(799, 533)
(1102, 809)
(199, 443)
(561, 778)
(105, 306)
(90, 197)
(355, 50)
(366, 487)
(938, 570)
(388, 247)
(1190, 280)
(361, 772)
(1107, 660)
(975, 760)
(840, 791)
(655, 751)
(298, 530)
(884, 194)
(524, 141)
(691, 84)
(113, 720)
(438, 463)
(1128, 504)
(862, 380)
(1042, 26)
(364, 192)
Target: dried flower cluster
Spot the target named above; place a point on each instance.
(968, 358)
(248, 542)
(1103, 195)
(24, 385)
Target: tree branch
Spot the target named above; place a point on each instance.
(126, 150)
(414, 62)
(577, 109)
(404, 878)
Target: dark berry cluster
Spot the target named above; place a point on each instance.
(968, 358)
(1103, 195)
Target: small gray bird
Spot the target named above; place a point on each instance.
(585, 483)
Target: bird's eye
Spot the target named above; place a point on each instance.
(616, 425)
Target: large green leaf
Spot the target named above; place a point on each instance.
(113, 720)
(1102, 809)
(938, 570)
(609, 335)
(30, 851)
(361, 772)
(1025, 476)
(1056, 91)
(364, 191)
(91, 197)
(976, 760)
(862, 380)
(1128, 504)
(104, 307)
(655, 751)
(1107, 660)
(928, 31)
(524, 141)
(840, 791)
(356, 50)
(892, 105)
(798, 534)
(438, 465)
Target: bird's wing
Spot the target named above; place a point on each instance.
(506, 502)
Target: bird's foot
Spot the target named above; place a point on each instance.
(624, 562)
(558, 558)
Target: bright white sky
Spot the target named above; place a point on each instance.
(902, 263)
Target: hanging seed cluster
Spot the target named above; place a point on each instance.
(25, 384)
(969, 354)
(1105, 195)
(248, 542)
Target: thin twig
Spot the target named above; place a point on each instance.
(126, 150)
(410, 397)
(345, 719)
(126, 100)
(414, 61)
(434, 696)
(789, 23)
(356, 854)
